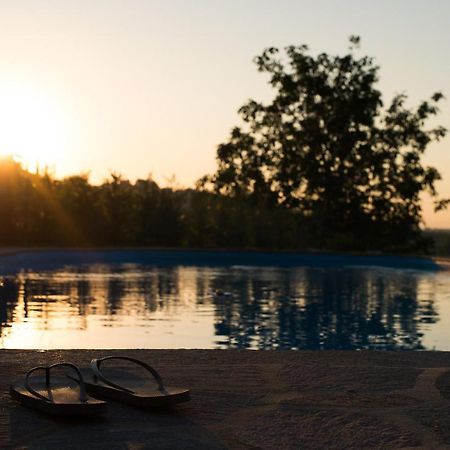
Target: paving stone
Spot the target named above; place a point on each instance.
(252, 399)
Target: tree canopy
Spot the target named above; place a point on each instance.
(329, 149)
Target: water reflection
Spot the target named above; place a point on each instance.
(138, 306)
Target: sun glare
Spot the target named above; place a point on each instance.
(32, 128)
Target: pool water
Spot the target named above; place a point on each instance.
(189, 300)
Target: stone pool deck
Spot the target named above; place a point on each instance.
(253, 400)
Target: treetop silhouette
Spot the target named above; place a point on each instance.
(328, 148)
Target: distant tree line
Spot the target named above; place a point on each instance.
(440, 241)
(324, 165)
(37, 209)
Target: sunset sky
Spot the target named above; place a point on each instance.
(152, 87)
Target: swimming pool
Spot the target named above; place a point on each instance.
(251, 300)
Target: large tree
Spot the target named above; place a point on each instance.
(327, 148)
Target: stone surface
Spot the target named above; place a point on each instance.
(253, 400)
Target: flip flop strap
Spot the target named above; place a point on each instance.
(95, 366)
(83, 396)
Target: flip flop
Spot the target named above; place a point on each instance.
(130, 388)
(56, 396)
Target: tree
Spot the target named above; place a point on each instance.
(326, 148)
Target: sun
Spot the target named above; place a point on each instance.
(32, 126)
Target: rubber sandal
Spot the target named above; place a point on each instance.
(130, 388)
(58, 395)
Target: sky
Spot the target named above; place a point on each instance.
(152, 87)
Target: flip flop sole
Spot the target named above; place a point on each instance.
(173, 396)
(61, 407)
(144, 396)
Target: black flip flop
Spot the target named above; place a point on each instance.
(56, 396)
(130, 388)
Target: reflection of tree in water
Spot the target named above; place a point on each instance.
(314, 308)
(114, 292)
(91, 290)
(9, 292)
(307, 308)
